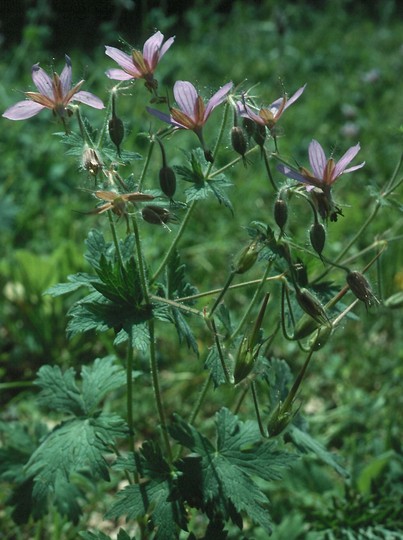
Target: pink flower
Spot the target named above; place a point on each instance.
(139, 65)
(325, 173)
(54, 94)
(271, 115)
(192, 113)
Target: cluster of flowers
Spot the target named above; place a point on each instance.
(57, 93)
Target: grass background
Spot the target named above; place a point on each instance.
(350, 54)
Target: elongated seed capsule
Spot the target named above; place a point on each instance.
(167, 181)
(238, 140)
(280, 213)
(317, 235)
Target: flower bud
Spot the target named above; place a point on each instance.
(279, 420)
(246, 258)
(317, 235)
(244, 362)
(156, 215)
(361, 288)
(311, 305)
(259, 135)
(90, 161)
(238, 140)
(116, 131)
(321, 337)
(280, 213)
(167, 181)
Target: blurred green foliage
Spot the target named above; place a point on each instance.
(352, 59)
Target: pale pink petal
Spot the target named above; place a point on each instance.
(246, 112)
(124, 60)
(219, 97)
(151, 49)
(118, 75)
(351, 169)
(88, 99)
(345, 160)
(23, 110)
(164, 117)
(294, 97)
(65, 76)
(291, 173)
(276, 104)
(186, 96)
(317, 159)
(42, 81)
(166, 46)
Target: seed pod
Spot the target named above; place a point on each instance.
(244, 361)
(317, 235)
(280, 213)
(238, 140)
(116, 131)
(361, 288)
(246, 258)
(259, 135)
(156, 215)
(321, 337)
(249, 126)
(167, 181)
(311, 305)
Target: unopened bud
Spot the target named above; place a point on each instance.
(90, 161)
(156, 215)
(317, 235)
(361, 288)
(244, 362)
(311, 305)
(238, 140)
(280, 213)
(246, 258)
(116, 131)
(321, 337)
(279, 420)
(259, 135)
(167, 181)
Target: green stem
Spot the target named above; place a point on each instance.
(83, 130)
(157, 389)
(175, 242)
(220, 353)
(129, 395)
(200, 399)
(140, 259)
(262, 281)
(256, 405)
(115, 238)
(219, 138)
(146, 164)
(267, 165)
(222, 292)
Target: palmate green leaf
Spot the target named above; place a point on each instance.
(155, 495)
(99, 379)
(75, 281)
(59, 390)
(178, 286)
(96, 246)
(214, 365)
(226, 471)
(74, 446)
(98, 535)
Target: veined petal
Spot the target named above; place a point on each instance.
(292, 173)
(351, 169)
(69, 96)
(317, 159)
(345, 159)
(151, 49)
(295, 96)
(186, 96)
(23, 110)
(119, 75)
(246, 112)
(42, 81)
(88, 99)
(166, 46)
(219, 97)
(162, 116)
(123, 59)
(65, 76)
